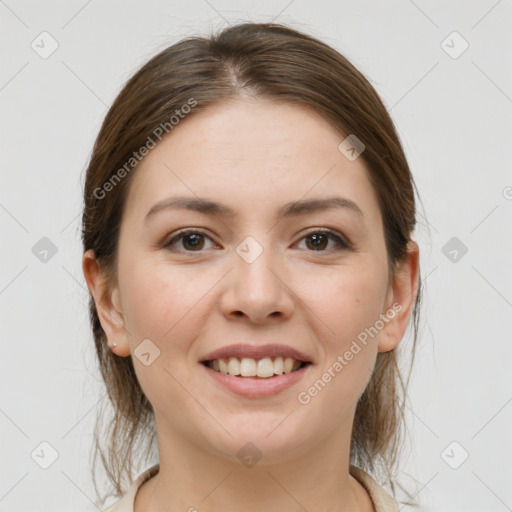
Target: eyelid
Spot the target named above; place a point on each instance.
(343, 244)
(180, 234)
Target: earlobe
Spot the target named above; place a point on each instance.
(107, 303)
(400, 300)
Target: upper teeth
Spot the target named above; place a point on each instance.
(248, 367)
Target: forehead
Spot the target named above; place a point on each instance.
(251, 154)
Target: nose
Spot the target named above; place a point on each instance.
(258, 289)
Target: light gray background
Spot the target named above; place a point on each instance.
(454, 119)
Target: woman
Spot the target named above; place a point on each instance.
(247, 245)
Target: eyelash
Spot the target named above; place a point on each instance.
(343, 245)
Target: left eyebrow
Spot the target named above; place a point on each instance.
(292, 209)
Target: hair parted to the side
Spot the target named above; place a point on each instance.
(279, 63)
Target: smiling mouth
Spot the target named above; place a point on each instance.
(255, 369)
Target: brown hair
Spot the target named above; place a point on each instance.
(282, 64)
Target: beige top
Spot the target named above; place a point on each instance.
(382, 501)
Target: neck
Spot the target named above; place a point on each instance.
(193, 479)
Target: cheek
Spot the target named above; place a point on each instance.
(350, 306)
(156, 297)
(349, 300)
(162, 304)
(350, 303)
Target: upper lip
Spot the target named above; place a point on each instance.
(256, 352)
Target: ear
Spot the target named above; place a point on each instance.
(400, 299)
(108, 304)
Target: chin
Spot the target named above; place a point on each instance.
(263, 443)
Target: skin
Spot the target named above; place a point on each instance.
(253, 155)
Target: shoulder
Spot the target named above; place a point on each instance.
(382, 501)
(125, 504)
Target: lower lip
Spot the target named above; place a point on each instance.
(257, 387)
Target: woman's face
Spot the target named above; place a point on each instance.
(253, 277)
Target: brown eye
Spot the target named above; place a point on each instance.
(192, 241)
(316, 241)
(319, 240)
